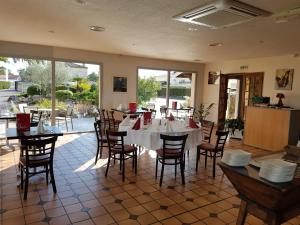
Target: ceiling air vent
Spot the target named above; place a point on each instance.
(221, 13)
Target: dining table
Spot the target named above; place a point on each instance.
(149, 136)
(7, 116)
(49, 131)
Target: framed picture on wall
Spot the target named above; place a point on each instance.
(284, 79)
(120, 84)
(213, 77)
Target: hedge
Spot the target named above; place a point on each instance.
(4, 84)
(63, 95)
(34, 90)
(175, 92)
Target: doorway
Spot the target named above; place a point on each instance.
(236, 93)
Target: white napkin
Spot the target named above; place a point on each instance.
(125, 121)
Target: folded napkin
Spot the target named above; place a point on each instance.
(137, 124)
(192, 123)
(171, 117)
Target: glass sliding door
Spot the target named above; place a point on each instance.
(181, 92)
(25, 85)
(77, 95)
(152, 89)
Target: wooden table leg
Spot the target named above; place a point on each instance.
(242, 213)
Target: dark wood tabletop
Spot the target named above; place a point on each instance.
(12, 133)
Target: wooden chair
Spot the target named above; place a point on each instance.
(145, 109)
(173, 149)
(113, 124)
(35, 117)
(101, 138)
(119, 151)
(68, 116)
(207, 128)
(37, 154)
(214, 150)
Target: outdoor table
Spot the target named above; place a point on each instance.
(7, 117)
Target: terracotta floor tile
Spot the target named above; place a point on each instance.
(146, 219)
(61, 220)
(78, 216)
(103, 220)
(120, 215)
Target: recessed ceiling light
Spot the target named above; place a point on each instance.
(81, 2)
(216, 44)
(192, 29)
(51, 31)
(97, 28)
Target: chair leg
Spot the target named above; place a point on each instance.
(162, 172)
(121, 162)
(101, 147)
(156, 167)
(197, 158)
(26, 183)
(182, 171)
(214, 164)
(205, 158)
(136, 161)
(52, 178)
(66, 124)
(175, 168)
(123, 169)
(72, 123)
(133, 159)
(22, 178)
(47, 175)
(108, 162)
(98, 149)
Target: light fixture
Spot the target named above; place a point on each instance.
(97, 28)
(216, 44)
(197, 60)
(192, 29)
(81, 2)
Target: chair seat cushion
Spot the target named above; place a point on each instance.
(35, 160)
(127, 149)
(169, 153)
(208, 147)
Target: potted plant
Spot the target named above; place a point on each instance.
(235, 127)
(203, 112)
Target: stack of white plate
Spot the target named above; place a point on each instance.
(236, 157)
(277, 170)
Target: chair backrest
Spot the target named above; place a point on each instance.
(35, 116)
(173, 143)
(111, 119)
(151, 106)
(115, 139)
(98, 129)
(221, 140)
(70, 111)
(37, 150)
(145, 109)
(153, 113)
(207, 128)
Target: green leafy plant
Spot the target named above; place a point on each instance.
(47, 104)
(147, 88)
(257, 99)
(203, 111)
(4, 84)
(34, 90)
(234, 124)
(63, 95)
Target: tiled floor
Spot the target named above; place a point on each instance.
(85, 196)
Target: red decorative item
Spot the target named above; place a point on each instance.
(147, 117)
(137, 124)
(132, 106)
(192, 123)
(171, 117)
(174, 105)
(23, 121)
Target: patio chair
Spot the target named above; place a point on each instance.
(173, 149)
(35, 117)
(163, 111)
(37, 154)
(67, 117)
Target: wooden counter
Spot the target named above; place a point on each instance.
(271, 128)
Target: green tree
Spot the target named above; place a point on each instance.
(3, 59)
(147, 89)
(93, 77)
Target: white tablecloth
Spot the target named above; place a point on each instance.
(150, 137)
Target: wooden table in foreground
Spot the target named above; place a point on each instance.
(273, 203)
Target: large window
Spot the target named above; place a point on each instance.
(26, 85)
(162, 88)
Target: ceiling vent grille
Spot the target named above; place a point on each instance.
(221, 13)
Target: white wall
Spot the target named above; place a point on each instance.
(268, 66)
(112, 65)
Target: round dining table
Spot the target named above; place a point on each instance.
(149, 136)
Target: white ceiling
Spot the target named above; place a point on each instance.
(146, 28)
